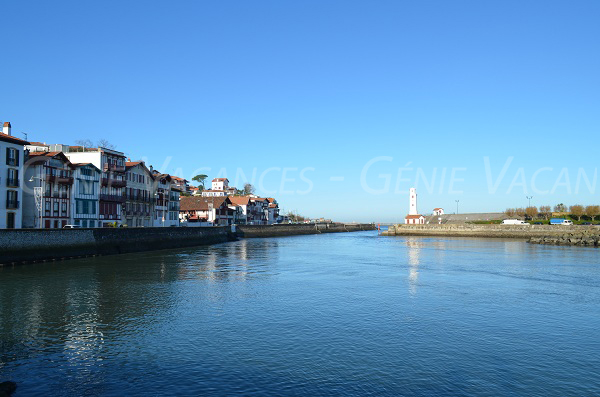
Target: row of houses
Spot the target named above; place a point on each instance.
(55, 185)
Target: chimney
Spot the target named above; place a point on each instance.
(151, 169)
(6, 128)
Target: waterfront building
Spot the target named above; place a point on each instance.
(139, 195)
(47, 191)
(11, 178)
(413, 217)
(259, 211)
(174, 205)
(207, 210)
(438, 211)
(112, 165)
(272, 211)
(166, 206)
(241, 205)
(85, 197)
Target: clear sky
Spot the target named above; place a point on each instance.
(320, 103)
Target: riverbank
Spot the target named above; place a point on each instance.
(540, 234)
(18, 246)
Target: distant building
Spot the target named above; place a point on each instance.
(438, 211)
(219, 188)
(413, 217)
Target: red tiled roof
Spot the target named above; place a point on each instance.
(435, 209)
(414, 216)
(37, 144)
(257, 199)
(220, 180)
(50, 155)
(239, 200)
(198, 203)
(12, 139)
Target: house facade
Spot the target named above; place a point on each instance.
(438, 211)
(47, 191)
(85, 197)
(139, 195)
(11, 179)
(112, 187)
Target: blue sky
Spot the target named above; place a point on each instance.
(298, 93)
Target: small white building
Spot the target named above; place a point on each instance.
(438, 211)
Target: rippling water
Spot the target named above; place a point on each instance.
(350, 314)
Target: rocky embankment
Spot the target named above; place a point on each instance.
(584, 239)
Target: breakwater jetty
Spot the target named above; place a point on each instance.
(18, 246)
(537, 234)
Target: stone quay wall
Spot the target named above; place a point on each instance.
(33, 245)
(278, 230)
(30, 245)
(548, 232)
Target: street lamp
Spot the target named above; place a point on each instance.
(529, 198)
(457, 206)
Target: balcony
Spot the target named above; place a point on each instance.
(113, 167)
(12, 182)
(12, 204)
(113, 182)
(62, 179)
(112, 197)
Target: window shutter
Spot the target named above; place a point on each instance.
(7, 154)
(17, 157)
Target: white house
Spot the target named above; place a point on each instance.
(438, 211)
(11, 179)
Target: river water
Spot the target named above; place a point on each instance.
(348, 314)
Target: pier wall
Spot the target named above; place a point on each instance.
(31, 245)
(251, 231)
(493, 231)
(28, 245)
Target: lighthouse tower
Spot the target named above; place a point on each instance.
(413, 217)
(413, 202)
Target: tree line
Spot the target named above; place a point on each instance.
(545, 211)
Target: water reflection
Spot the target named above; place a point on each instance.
(413, 246)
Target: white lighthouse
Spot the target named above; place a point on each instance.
(413, 217)
(412, 210)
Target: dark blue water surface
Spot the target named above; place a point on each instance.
(351, 314)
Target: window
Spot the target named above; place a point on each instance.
(13, 178)
(12, 156)
(12, 199)
(10, 220)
